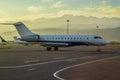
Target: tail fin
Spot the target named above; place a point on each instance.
(22, 29)
(24, 32)
(3, 40)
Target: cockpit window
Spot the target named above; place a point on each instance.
(97, 37)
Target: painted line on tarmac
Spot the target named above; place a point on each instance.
(56, 74)
(49, 62)
(59, 58)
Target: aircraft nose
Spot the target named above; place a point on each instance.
(105, 42)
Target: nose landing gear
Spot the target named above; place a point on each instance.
(98, 49)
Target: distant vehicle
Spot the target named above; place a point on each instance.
(56, 41)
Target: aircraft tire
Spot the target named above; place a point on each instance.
(55, 48)
(49, 48)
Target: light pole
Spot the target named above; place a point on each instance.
(97, 30)
(68, 26)
(99, 50)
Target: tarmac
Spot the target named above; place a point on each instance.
(70, 63)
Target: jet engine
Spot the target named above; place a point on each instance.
(30, 38)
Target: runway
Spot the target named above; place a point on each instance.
(79, 64)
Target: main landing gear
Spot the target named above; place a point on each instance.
(55, 48)
(50, 48)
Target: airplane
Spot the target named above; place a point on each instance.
(56, 41)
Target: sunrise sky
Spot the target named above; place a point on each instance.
(12, 10)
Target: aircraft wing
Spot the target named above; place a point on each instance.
(50, 44)
(53, 44)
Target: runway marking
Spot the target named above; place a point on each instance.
(59, 58)
(32, 69)
(71, 60)
(81, 64)
(29, 61)
(29, 65)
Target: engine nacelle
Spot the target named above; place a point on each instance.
(30, 38)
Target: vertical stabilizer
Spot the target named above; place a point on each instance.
(24, 32)
(22, 29)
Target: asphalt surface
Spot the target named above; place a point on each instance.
(76, 63)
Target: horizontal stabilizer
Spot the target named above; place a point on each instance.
(7, 23)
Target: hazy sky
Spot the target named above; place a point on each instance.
(33, 12)
(11, 10)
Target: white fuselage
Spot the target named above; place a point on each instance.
(70, 40)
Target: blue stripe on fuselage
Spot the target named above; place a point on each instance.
(68, 42)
